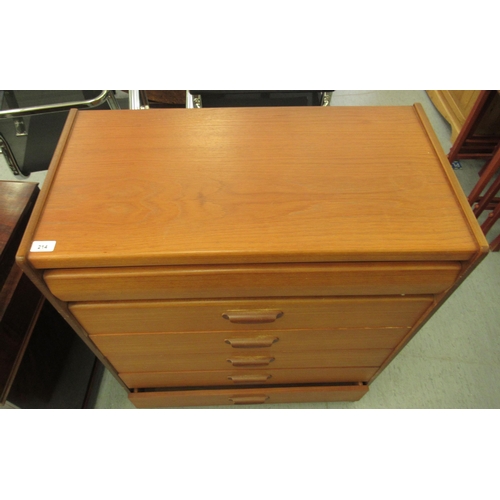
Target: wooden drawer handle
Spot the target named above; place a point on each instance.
(251, 343)
(252, 317)
(251, 361)
(248, 400)
(249, 379)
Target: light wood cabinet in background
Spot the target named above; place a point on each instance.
(454, 106)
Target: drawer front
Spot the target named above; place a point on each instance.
(247, 377)
(251, 360)
(182, 282)
(231, 315)
(270, 395)
(230, 343)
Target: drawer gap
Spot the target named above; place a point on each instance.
(244, 300)
(241, 388)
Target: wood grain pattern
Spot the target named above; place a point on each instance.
(167, 222)
(250, 186)
(251, 360)
(467, 266)
(269, 376)
(273, 395)
(182, 344)
(35, 275)
(186, 316)
(271, 280)
(465, 209)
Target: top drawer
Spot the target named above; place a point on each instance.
(272, 280)
(231, 315)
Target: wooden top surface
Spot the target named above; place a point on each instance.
(245, 185)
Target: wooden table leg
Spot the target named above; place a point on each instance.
(488, 197)
(489, 171)
(495, 244)
(490, 221)
(471, 122)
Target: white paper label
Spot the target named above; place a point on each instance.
(43, 246)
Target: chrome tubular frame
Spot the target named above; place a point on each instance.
(17, 114)
(105, 96)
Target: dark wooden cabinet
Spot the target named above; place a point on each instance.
(43, 363)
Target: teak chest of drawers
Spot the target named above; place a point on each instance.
(249, 255)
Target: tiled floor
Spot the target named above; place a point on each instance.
(454, 361)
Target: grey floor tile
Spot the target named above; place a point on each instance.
(111, 394)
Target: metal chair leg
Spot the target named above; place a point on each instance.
(137, 99)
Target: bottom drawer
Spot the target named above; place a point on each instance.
(271, 395)
(248, 377)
